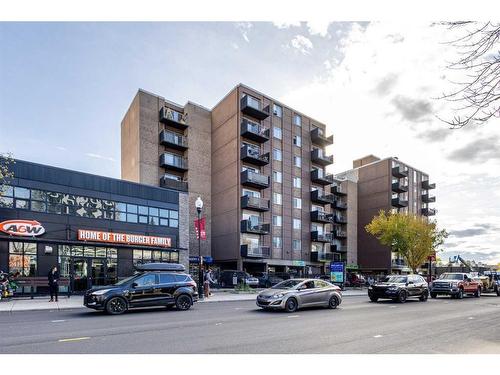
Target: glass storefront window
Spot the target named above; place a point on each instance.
(38, 206)
(157, 256)
(174, 214)
(164, 222)
(163, 212)
(153, 220)
(131, 208)
(22, 204)
(89, 251)
(77, 251)
(64, 250)
(131, 218)
(22, 258)
(174, 223)
(143, 210)
(120, 207)
(143, 219)
(6, 202)
(153, 211)
(174, 257)
(20, 192)
(112, 253)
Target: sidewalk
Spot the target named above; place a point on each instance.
(75, 302)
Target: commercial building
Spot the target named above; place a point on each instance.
(392, 186)
(259, 166)
(94, 228)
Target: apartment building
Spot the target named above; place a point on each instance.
(259, 166)
(389, 185)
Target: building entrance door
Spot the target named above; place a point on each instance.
(79, 274)
(87, 273)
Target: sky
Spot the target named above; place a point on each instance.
(65, 87)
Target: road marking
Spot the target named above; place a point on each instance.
(392, 307)
(218, 324)
(377, 336)
(57, 321)
(471, 317)
(74, 339)
(293, 316)
(238, 308)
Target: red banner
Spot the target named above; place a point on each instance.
(199, 226)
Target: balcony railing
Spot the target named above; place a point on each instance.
(339, 205)
(248, 251)
(428, 186)
(173, 118)
(173, 140)
(340, 234)
(253, 203)
(321, 256)
(400, 172)
(319, 157)
(170, 183)
(339, 191)
(254, 131)
(398, 263)
(173, 162)
(321, 217)
(318, 176)
(321, 237)
(398, 187)
(340, 219)
(429, 211)
(253, 107)
(252, 155)
(250, 226)
(398, 202)
(338, 249)
(319, 196)
(256, 180)
(319, 138)
(426, 198)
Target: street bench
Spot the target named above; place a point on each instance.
(32, 282)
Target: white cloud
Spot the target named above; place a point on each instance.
(301, 44)
(97, 156)
(318, 27)
(244, 28)
(286, 24)
(61, 148)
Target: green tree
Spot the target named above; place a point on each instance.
(5, 172)
(413, 237)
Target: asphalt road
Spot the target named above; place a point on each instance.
(470, 325)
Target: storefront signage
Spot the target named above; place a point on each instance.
(299, 263)
(25, 228)
(123, 238)
(337, 272)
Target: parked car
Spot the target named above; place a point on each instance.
(399, 288)
(155, 284)
(455, 285)
(267, 280)
(490, 282)
(293, 294)
(231, 278)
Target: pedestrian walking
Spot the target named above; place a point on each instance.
(207, 279)
(53, 283)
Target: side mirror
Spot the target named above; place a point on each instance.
(134, 285)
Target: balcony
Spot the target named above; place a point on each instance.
(339, 205)
(254, 131)
(173, 162)
(398, 187)
(340, 219)
(427, 186)
(319, 196)
(252, 155)
(318, 176)
(253, 203)
(318, 157)
(173, 118)
(400, 172)
(173, 140)
(253, 107)
(398, 263)
(255, 180)
(338, 249)
(339, 234)
(170, 183)
(317, 256)
(252, 226)
(398, 202)
(428, 211)
(248, 251)
(339, 191)
(321, 217)
(320, 237)
(318, 137)
(426, 198)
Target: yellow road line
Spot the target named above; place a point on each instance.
(74, 339)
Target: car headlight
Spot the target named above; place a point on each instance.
(278, 295)
(455, 284)
(370, 287)
(100, 292)
(393, 288)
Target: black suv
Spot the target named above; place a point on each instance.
(399, 288)
(155, 284)
(267, 280)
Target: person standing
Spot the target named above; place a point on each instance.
(53, 283)
(206, 283)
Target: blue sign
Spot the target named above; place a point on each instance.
(207, 260)
(337, 270)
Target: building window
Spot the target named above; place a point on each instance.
(297, 161)
(297, 182)
(277, 242)
(277, 177)
(277, 221)
(277, 110)
(296, 224)
(297, 245)
(277, 154)
(277, 198)
(22, 258)
(152, 256)
(297, 120)
(297, 140)
(277, 133)
(297, 203)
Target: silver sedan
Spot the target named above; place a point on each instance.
(293, 294)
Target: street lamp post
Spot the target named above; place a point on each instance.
(199, 205)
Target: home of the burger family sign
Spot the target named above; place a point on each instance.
(124, 238)
(24, 228)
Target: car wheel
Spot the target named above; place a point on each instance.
(460, 294)
(116, 306)
(373, 299)
(333, 303)
(291, 305)
(478, 293)
(183, 302)
(424, 296)
(402, 296)
(434, 295)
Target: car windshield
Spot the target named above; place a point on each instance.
(451, 276)
(395, 279)
(287, 284)
(125, 281)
